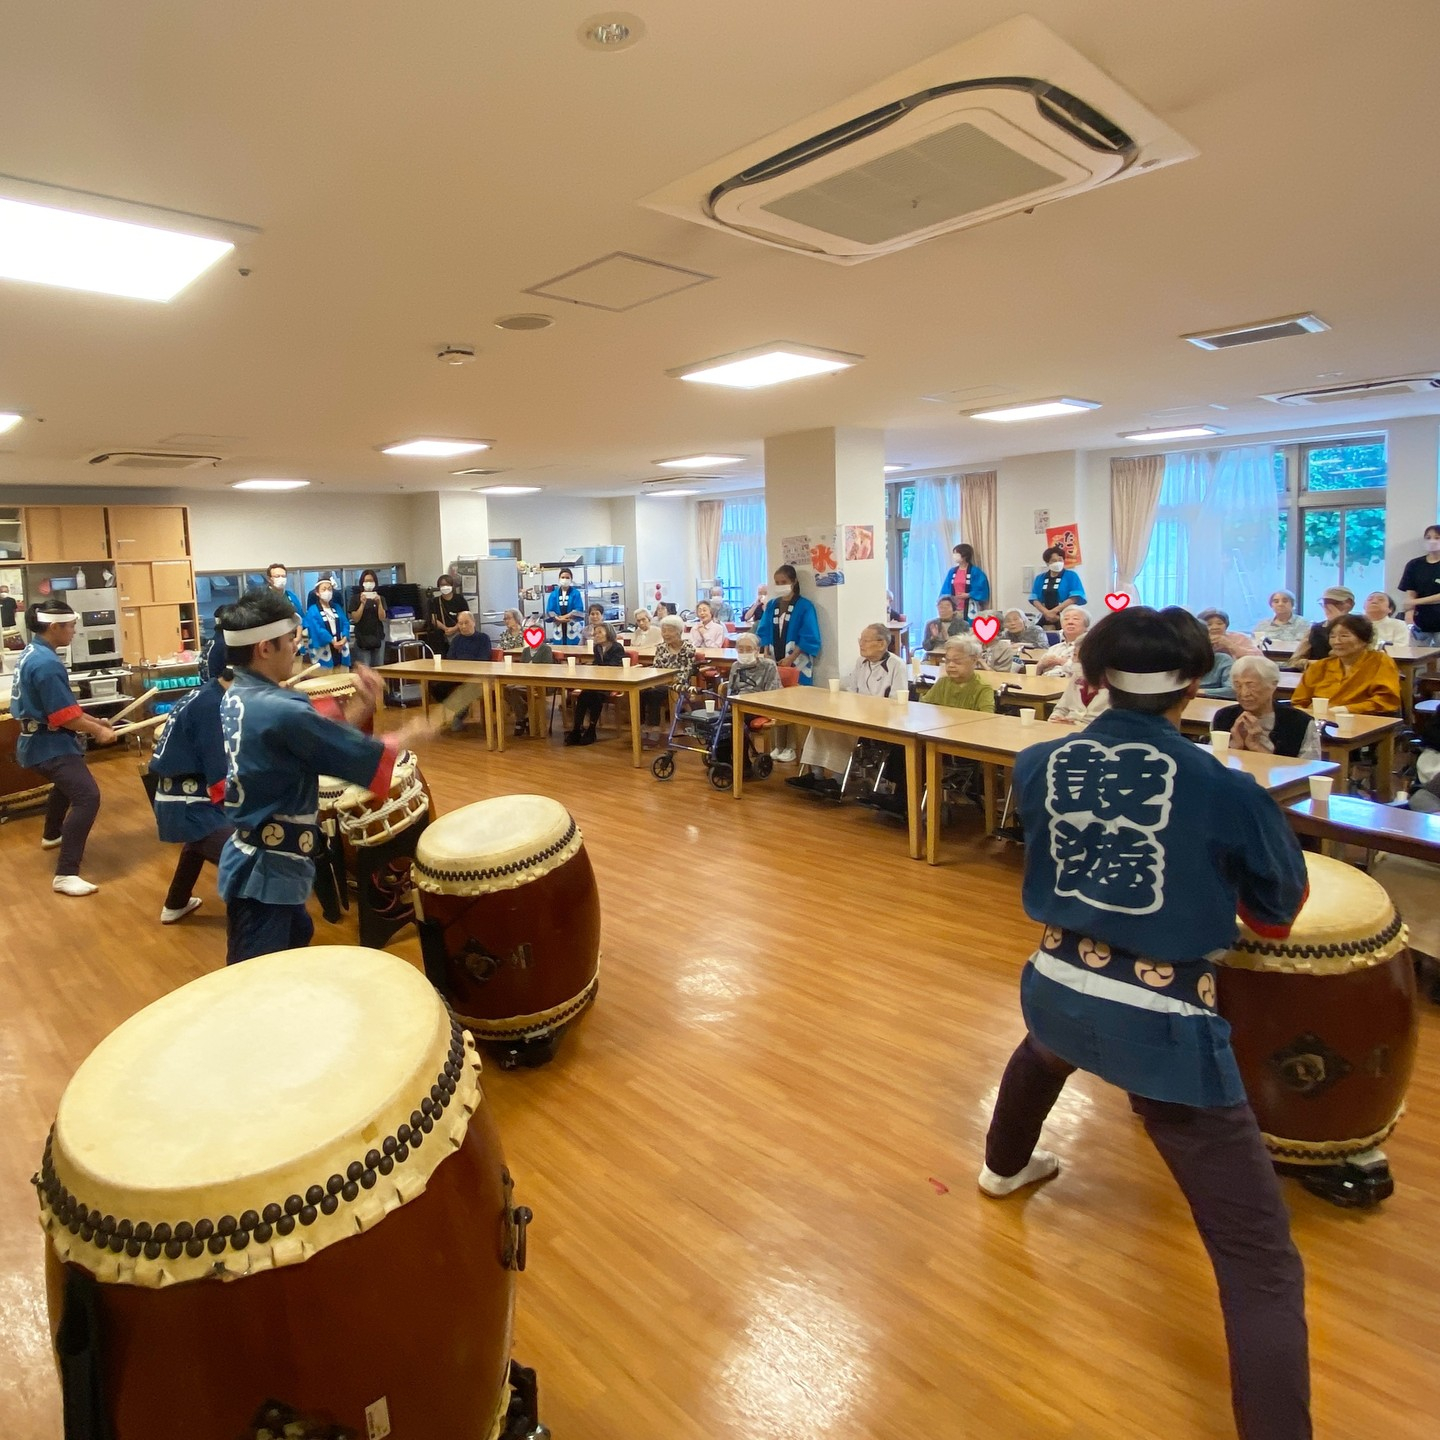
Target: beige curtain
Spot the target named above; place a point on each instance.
(709, 520)
(977, 519)
(1135, 483)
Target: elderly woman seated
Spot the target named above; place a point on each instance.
(1215, 683)
(1223, 639)
(877, 672)
(645, 635)
(675, 653)
(1362, 680)
(751, 671)
(1257, 722)
(1080, 703)
(946, 623)
(958, 685)
(1022, 633)
(1284, 627)
(1000, 653)
(1380, 612)
(1061, 659)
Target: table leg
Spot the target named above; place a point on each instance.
(635, 743)
(934, 761)
(1407, 691)
(737, 748)
(912, 793)
(1342, 780)
(989, 773)
(1385, 764)
(425, 699)
(499, 729)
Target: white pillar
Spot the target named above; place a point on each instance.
(816, 483)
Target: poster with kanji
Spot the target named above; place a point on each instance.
(859, 542)
(825, 559)
(795, 550)
(1067, 537)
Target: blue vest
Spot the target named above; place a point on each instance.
(40, 698)
(189, 759)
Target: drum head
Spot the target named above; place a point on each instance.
(404, 777)
(495, 844)
(327, 685)
(282, 1080)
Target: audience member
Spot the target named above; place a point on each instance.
(1284, 627)
(1062, 659)
(1257, 722)
(1022, 632)
(946, 624)
(1223, 639)
(606, 649)
(707, 633)
(1335, 602)
(1362, 680)
(675, 653)
(1380, 612)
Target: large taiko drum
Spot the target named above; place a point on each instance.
(1324, 1028)
(331, 692)
(20, 788)
(510, 920)
(367, 819)
(276, 1197)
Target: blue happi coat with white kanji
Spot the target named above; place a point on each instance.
(189, 759)
(1141, 849)
(277, 745)
(42, 701)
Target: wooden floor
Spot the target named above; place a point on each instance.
(752, 1165)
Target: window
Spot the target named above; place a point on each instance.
(899, 510)
(742, 550)
(505, 549)
(1334, 531)
(214, 588)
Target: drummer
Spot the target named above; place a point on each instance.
(277, 746)
(51, 724)
(1141, 850)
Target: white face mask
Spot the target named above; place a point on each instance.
(746, 657)
(1055, 566)
(278, 581)
(447, 589)
(564, 584)
(1433, 546)
(326, 596)
(369, 586)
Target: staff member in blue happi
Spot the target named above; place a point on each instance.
(1140, 850)
(328, 627)
(51, 724)
(189, 764)
(277, 745)
(565, 608)
(278, 579)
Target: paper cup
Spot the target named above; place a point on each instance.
(1320, 787)
(626, 663)
(1220, 741)
(1027, 717)
(1345, 723)
(1319, 707)
(709, 707)
(1032, 669)
(570, 663)
(508, 661)
(900, 695)
(834, 687)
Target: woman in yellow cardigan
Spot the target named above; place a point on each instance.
(1363, 680)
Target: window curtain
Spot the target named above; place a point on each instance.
(1135, 482)
(741, 565)
(934, 532)
(1216, 536)
(709, 519)
(977, 521)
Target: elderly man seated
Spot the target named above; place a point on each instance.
(1061, 659)
(877, 672)
(1257, 722)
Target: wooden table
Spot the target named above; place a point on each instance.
(1283, 776)
(1353, 821)
(495, 676)
(444, 672)
(1037, 691)
(1412, 660)
(870, 716)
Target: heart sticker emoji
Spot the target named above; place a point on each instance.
(986, 628)
(534, 636)
(1117, 602)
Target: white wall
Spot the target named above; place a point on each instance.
(546, 525)
(1025, 484)
(623, 532)
(665, 547)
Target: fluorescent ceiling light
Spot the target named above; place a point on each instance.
(9, 420)
(656, 494)
(1035, 409)
(268, 484)
(766, 365)
(433, 449)
(506, 489)
(891, 469)
(1176, 432)
(700, 462)
(78, 241)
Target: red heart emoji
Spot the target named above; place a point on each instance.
(534, 636)
(1117, 602)
(986, 628)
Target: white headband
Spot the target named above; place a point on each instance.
(1148, 682)
(51, 617)
(271, 631)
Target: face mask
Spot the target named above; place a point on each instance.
(746, 657)
(447, 589)
(1433, 546)
(278, 581)
(326, 596)
(369, 586)
(1055, 566)
(564, 584)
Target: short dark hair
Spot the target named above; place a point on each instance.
(446, 579)
(55, 606)
(1205, 616)
(372, 575)
(1360, 626)
(946, 600)
(1432, 530)
(965, 552)
(564, 571)
(1145, 640)
(1051, 550)
(277, 565)
(254, 607)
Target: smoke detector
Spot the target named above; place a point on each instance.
(457, 355)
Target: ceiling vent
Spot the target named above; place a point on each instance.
(681, 482)
(151, 460)
(1282, 329)
(1396, 388)
(1007, 121)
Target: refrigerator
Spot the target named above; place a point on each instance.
(491, 586)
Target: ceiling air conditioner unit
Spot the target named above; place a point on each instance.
(1394, 388)
(151, 460)
(1004, 122)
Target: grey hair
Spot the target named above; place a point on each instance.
(964, 645)
(1079, 610)
(642, 611)
(519, 618)
(672, 622)
(746, 640)
(1259, 667)
(877, 632)
(1013, 610)
(1288, 594)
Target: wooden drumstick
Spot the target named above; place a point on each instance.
(134, 704)
(136, 726)
(461, 700)
(305, 674)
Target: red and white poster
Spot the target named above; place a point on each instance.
(1067, 537)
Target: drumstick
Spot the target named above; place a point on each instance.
(136, 726)
(462, 699)
(305, 674)
(134, 704)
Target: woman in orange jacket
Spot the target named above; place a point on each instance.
(1363, 680)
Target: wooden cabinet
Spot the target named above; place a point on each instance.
(65, 534)
(148, 532)
(134, 584)
(151, 632)
(131, 650)
(172, 580)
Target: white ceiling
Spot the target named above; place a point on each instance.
(415, 168)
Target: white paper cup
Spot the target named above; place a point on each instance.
(1320, 707)
(834, 687)
(1320, 787)
(900, 695)
(1027, 717)
(626, 663)
(570, 663)
(709, 707)
(1032, 669)
(1220, 741)
(508, 661)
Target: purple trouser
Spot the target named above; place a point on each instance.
(193, 855)
(1219, 1161)
(70, 814)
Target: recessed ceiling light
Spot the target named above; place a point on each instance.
(533, 321)
(268, 484)
(611, 31)
(699, 462)
(891, 469)
(435, 449)
(50, 236)
(1035, 409)
(1175, 432)
(9, 420)
(657, 494)
(507, 489)
(766, 365)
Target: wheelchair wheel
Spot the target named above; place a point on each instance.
(662, 767)
(722, 777)
(764, 764)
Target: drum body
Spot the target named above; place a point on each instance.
(378, 835)
(19, 787)
(322, 1285)
(1324, 1023)
(367, 819)
(510, 916)
(332, 691)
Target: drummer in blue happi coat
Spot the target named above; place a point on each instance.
(51, 724)
(277, 746)
(1140, 850)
